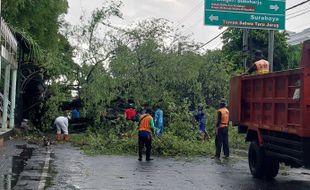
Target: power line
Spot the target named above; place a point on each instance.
(193, 25)
(217, 45)
(211, 40)
(297, 5)
(305, 9)
(191, 12)
(299, 14)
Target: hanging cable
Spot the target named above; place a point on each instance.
(297, 5)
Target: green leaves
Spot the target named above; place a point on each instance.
(38, 18)
(258, 40)
(294, 56)
(142, 64)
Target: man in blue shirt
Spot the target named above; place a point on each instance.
(159, 120)
(75, 113)
(201, 118)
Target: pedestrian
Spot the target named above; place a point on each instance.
(146, 125)
(221, 131)
(62, 124)
(159, 120)
(141, 111)
(24, 125)
(260, 65)
(201, 118)
(130, 112)
(75, 113)
(143, 108)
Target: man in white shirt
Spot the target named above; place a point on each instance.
(62, 124)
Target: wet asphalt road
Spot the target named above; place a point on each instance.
(9, 172)
(78, 171)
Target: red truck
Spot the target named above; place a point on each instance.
(273, 110)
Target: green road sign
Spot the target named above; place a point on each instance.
(259, 14)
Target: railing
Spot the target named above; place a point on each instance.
(9, 43)
(8, 55)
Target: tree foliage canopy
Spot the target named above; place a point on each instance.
(258, 40)
(148, 61)
(40, 19)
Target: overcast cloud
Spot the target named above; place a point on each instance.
(189, 13)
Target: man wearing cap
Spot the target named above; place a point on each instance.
(260, 66)
(221, 131)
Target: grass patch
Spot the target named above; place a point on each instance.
(94, 143)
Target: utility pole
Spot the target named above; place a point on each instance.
(270, 48)
(245, 47)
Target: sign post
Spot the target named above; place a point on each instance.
(270, 48)
(245, 47)
(253, 14)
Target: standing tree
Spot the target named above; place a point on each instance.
(258, 40)
(48, 55)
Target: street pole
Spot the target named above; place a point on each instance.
(245, 47)
(6, 96)
(270, 48)
(13, 98)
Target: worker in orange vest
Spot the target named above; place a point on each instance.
(260, 66)
(146, 125)
(221, 131)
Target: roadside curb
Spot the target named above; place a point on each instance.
(35, 173)
(4, 136)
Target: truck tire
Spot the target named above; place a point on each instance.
(256, 157)
(271, 167)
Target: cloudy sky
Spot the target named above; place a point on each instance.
(189, 13)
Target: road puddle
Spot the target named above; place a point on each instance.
(15, 167)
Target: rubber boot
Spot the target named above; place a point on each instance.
(58, 137)
(66, 137)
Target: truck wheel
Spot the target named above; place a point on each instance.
(256, 160)
(271, 167)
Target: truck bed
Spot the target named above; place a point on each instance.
(262, 106)
(266, 101)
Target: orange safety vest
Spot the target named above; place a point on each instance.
(144, 124)
(262, 66)
(225, 117)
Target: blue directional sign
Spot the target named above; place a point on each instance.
(259, 14)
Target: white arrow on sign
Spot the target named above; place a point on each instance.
(274, 7)
(212, 18)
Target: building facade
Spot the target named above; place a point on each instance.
(8, 76)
